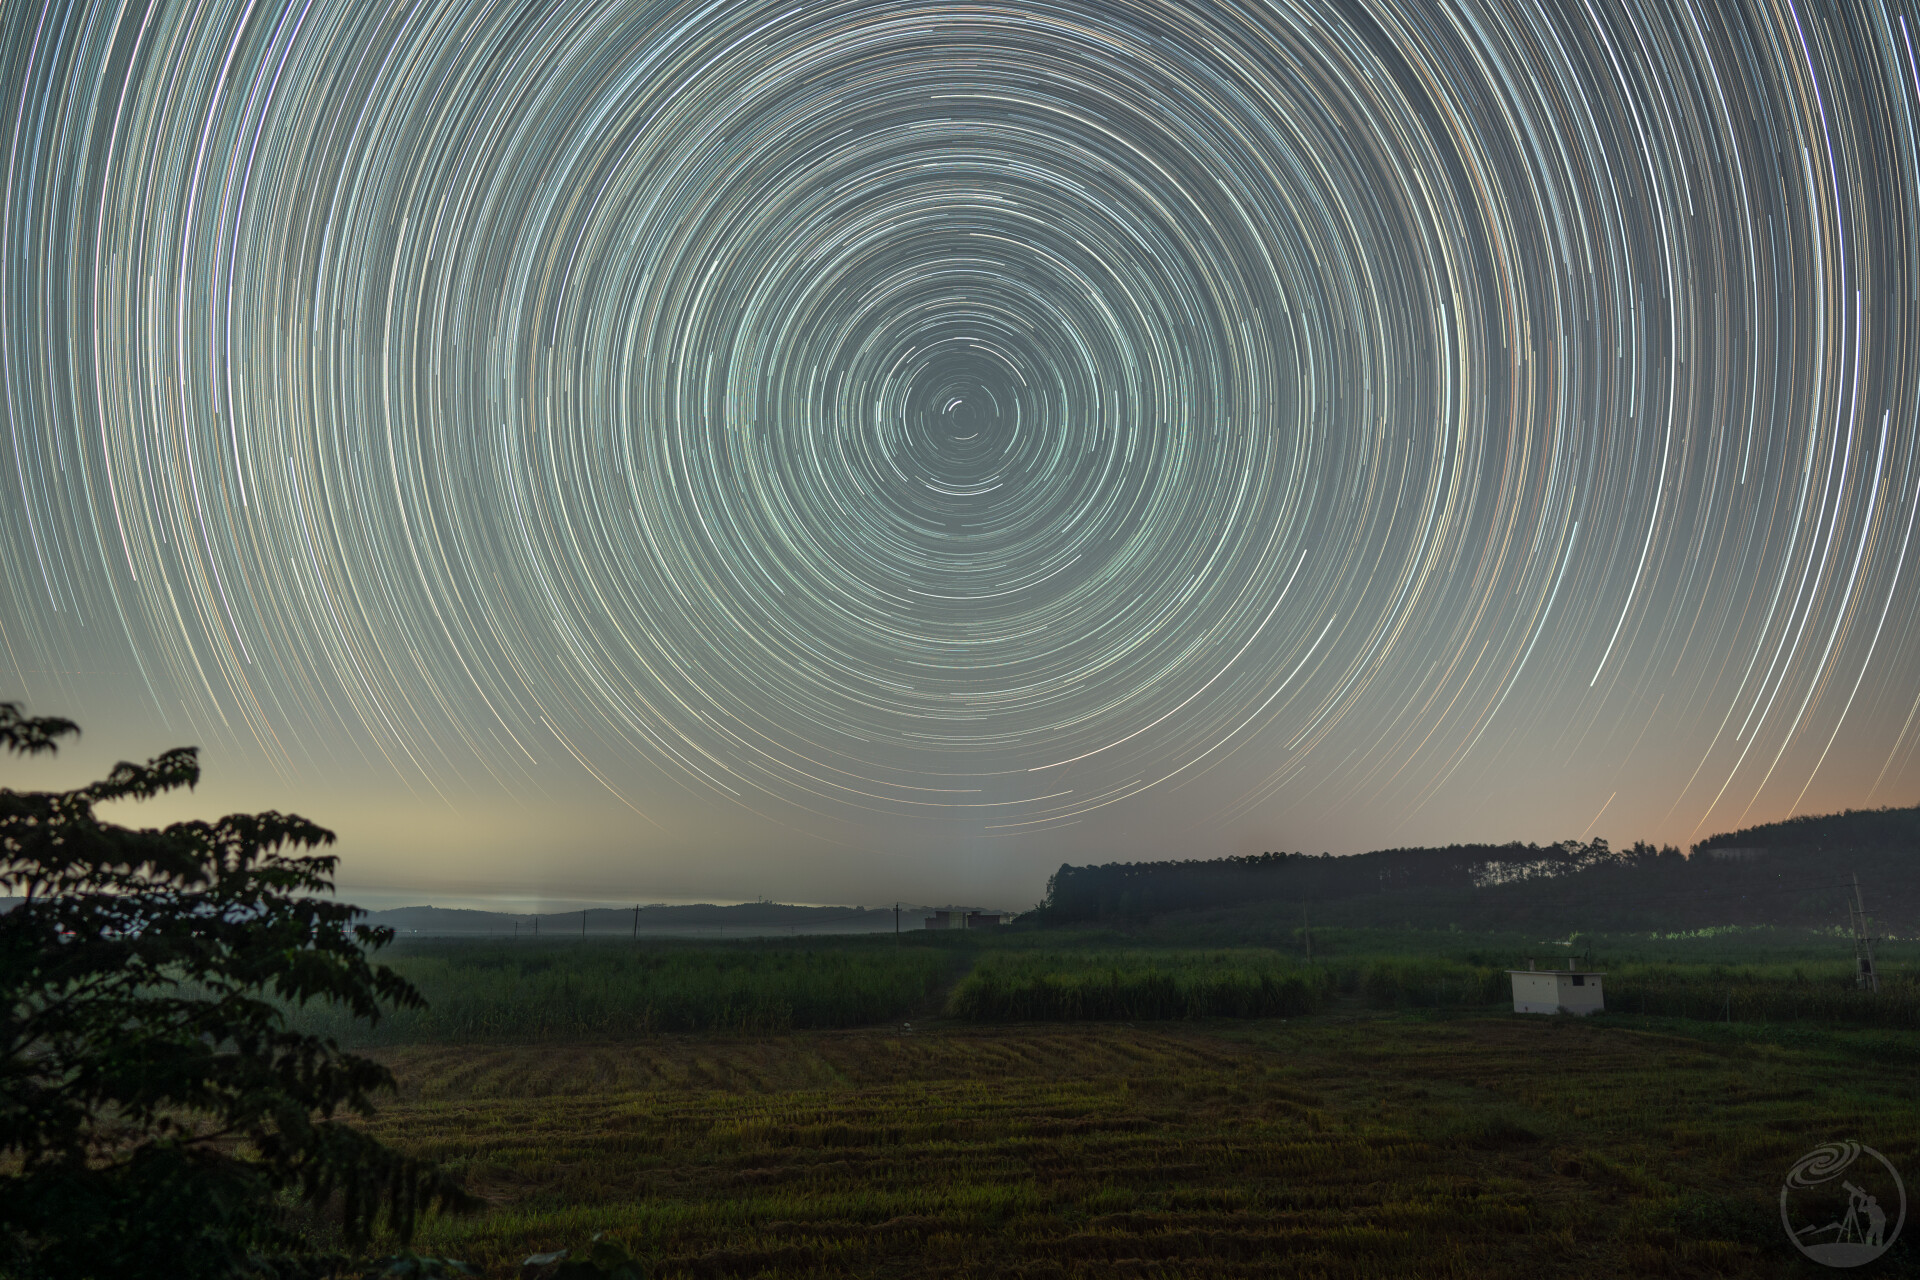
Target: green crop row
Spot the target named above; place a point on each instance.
(1424, 984)
(1895, 1006)
(1763, 993)
(1130, 986)
(506, 992)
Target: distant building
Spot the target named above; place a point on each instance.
(1735, 854)
(963, 918)
(1568, 990)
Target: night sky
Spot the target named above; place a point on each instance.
(853, 451)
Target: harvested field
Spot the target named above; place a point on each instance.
(1344, 1145)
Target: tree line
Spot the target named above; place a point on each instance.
(1793, 872)
(1130, 890)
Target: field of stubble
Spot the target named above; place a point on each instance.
(1345, 1144)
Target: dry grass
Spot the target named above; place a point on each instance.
(1336, 1146)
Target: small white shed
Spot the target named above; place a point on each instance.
(1568, 990)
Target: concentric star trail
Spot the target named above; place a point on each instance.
(997, 418)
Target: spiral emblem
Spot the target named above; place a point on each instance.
(1822, 1164)
(1842, 1210)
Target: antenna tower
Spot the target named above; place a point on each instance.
(1865, 976)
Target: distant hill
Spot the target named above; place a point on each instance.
(741, 920)
(708, 920)
(1853, 829)
(747, 919)
(1791, 873)
(1121, 890)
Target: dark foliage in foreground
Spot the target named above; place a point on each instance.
(156, 1115)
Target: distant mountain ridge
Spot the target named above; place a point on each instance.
(1797, 872)
(777, 917)
(1852, 828)
(746, 919)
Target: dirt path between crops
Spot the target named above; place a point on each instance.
(934, 1006)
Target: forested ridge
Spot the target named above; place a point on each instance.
(1792, 872)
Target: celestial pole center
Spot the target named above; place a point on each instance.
(1251, 424)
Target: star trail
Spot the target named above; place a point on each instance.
(984, 426)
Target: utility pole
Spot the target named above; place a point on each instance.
(1864, 977)
(536, 924)
(896, 924)
(636, 922)
(583, 922)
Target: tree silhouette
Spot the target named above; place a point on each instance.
(157, 1114)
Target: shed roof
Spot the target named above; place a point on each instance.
(1563, 973)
